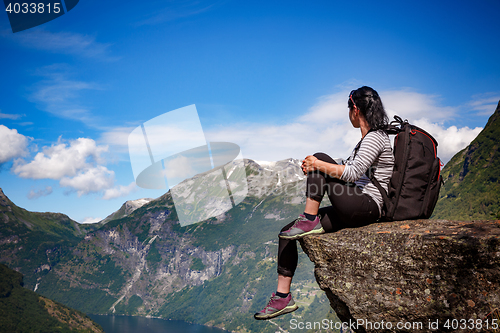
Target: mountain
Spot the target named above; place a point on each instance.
(25, 311)
(32, 243)
(472, 178)
(217, 272)
(126, 209)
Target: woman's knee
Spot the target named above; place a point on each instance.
(324, 157)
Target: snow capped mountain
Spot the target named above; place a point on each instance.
(211, 194)
(126, 209)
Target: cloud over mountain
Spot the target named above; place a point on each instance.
(77, 165)
(325, 127)
(12, 144)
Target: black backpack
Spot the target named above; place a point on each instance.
(416, 179)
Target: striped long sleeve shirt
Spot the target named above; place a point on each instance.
(375, 151)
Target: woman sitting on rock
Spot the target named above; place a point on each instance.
(356, 202)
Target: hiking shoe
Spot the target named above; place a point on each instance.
(276, 307)
(303, 227)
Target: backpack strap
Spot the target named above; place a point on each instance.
(395, 127)
(370, 173)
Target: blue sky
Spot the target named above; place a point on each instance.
(270, 76)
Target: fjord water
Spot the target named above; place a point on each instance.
(132, 324)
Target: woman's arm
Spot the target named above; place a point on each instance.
(311, 163)
(370, 148)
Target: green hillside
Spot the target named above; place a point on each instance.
(218, 272)
(32, 243)
(25, 311)
(151, 268)
(472, 178)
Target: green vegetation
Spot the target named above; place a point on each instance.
(153, 256)
(88, 300)
(91, 274)
(238, 228)
(241, 288)
(36, 239)
(231, 299)
(130, 307)
(197, 264)
(472, 178)
(25, 311)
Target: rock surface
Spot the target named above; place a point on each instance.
(410, 272)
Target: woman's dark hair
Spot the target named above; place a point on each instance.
(370, 105)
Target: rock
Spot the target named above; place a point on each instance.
(5, 203)
(415, 272)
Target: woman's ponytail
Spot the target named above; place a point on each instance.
(370, 105)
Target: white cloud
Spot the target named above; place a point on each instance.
(10, 116)
(329, 108)
(77, 166)
(117, 138)
(297, 140)
(40, 193)
(65, 43)
(424, 111)
(450, 140)
(485, 103)
(176, 10)
(412, 105)
(161, 139)
(91, 180)
(180, 167)
(61, 160)
(119, 191)
(325, 127)
(60, 95)
(12, 144)
(90, 219)
(25, 123)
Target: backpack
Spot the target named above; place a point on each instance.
(416, 179)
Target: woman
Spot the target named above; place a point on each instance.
(355, 200)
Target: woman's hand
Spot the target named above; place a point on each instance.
(309, 164)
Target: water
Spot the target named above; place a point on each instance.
(130, 324)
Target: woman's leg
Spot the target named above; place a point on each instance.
(351, 208)
(287, 249)
(284, 283)
(282, 302)
(312, 206)
(316, 187)
(287, 255)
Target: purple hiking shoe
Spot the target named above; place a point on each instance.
(276, 307)
(303, 227)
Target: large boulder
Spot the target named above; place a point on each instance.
(422, 275)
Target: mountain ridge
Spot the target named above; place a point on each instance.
(126, 209)
(217, 272)
(25, 311)
(144, 262)
(472, 178)
(33, 242)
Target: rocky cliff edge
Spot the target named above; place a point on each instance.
(411, 273)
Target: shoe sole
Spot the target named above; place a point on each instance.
(285, 310)
(312, 232)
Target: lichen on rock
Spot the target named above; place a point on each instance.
(422, 271)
